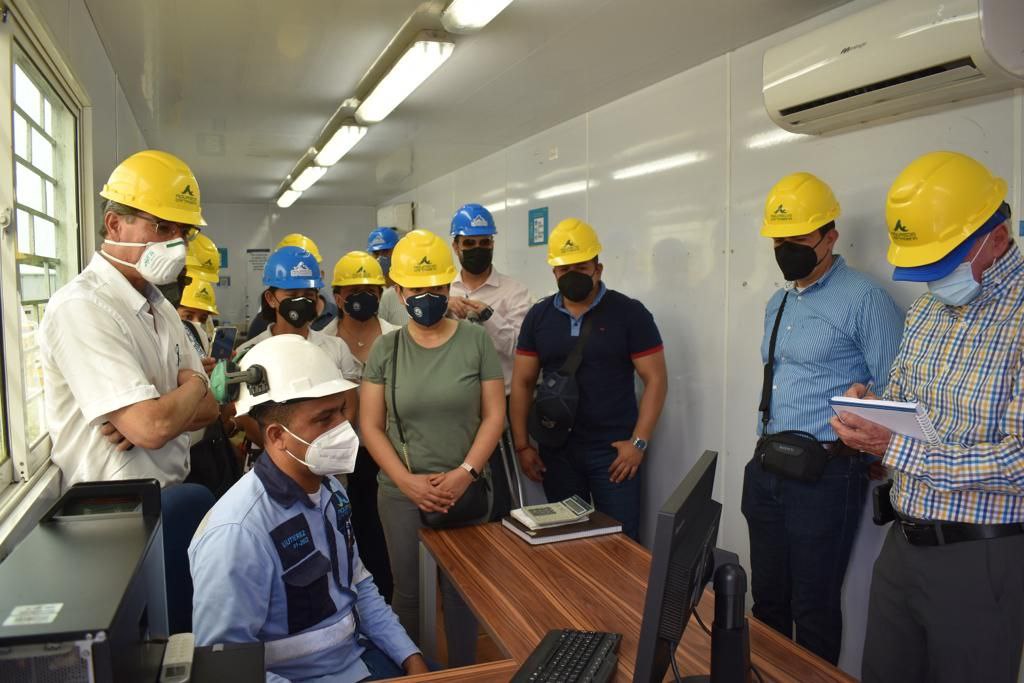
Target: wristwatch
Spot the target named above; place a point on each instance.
(640, 444)
(485, 315)
(472, 472)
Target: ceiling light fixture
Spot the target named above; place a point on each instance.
(288, 198)
(343, 140)
(465, 16)
(309, 176)
(422, 58)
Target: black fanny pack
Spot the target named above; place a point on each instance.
(793, 455)
(553, 412)
(475, 503)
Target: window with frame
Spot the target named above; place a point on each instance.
(45, 159)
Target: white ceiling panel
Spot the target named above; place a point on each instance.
(241, 88)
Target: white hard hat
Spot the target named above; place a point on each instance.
(293, 368)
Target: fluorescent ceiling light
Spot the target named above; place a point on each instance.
(421, 59)
(659, 165)
(559, 190)
(343, 140)
(308, 177)
(463, 16)
(771, 138)
(288, 198)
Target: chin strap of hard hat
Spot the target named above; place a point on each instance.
(226, 380)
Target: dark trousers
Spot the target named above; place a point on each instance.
(801, 536)
(182, 508)
(580, 468)
(362, 494)
(946, 614)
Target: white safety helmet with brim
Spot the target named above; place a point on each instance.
(283, 369)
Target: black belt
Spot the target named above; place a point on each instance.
(918, 532)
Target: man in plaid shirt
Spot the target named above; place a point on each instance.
(947, 593)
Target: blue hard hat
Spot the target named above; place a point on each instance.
(473, 219)
(381, 239)
(292, 268)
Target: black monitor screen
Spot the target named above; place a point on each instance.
(682, 563)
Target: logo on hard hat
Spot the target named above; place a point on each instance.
(377, 239)
(186, 196)
(780, 214)
(902, 233)
(479, 222)
(424, 265)
(570, 246)
(361, 271)
(208, 263)
(301, 270)
(203, 293)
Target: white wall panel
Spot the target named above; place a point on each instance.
(685, 240)
(658, 205)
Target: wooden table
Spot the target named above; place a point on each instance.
(519, 592)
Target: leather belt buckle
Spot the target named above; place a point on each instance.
(917, 534)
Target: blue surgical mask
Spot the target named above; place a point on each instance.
(959, 288)
(427, 309)
(385, 264)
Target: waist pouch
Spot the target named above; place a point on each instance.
(792, 455)
(471, 507)
(554, 409)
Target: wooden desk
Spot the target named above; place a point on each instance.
(520, 592)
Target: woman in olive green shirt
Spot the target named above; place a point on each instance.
(450, 396)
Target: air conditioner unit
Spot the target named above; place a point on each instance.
(893, 60)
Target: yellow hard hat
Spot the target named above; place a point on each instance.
(203, 259)
(158, 183)
(422, 259)
(357, 268)
(935, 204)
(297, 239)
(572, 241)
(199, 294)
(799, 204)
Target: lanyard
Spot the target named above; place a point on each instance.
(343, 523)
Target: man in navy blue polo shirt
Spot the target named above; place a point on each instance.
(609, 436)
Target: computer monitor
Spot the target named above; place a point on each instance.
(682, 563)
(84, 596)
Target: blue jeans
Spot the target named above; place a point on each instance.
(182, 508)
(801, 536)
(580, 468)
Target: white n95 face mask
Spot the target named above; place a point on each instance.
(333, 452)
(160, 262)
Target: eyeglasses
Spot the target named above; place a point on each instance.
(471, 242)
(169, 230)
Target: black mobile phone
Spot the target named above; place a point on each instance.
(223, 342)
(882, 513)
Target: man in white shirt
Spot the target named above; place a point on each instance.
(123, 386)
(499, 303)
(292, 278)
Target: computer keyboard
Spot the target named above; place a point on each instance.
(571, 657)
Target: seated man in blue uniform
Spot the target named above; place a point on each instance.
(275, 559)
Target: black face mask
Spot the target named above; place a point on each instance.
(797, 261)
(575, 286)
(361, 306)
(477, 260)
(299, 311)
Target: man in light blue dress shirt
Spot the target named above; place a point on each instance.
(837, 326)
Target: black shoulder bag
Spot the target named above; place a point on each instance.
(553, 412)
(791, 454)
(474, 505)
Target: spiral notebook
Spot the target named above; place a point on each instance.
(908, 419)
